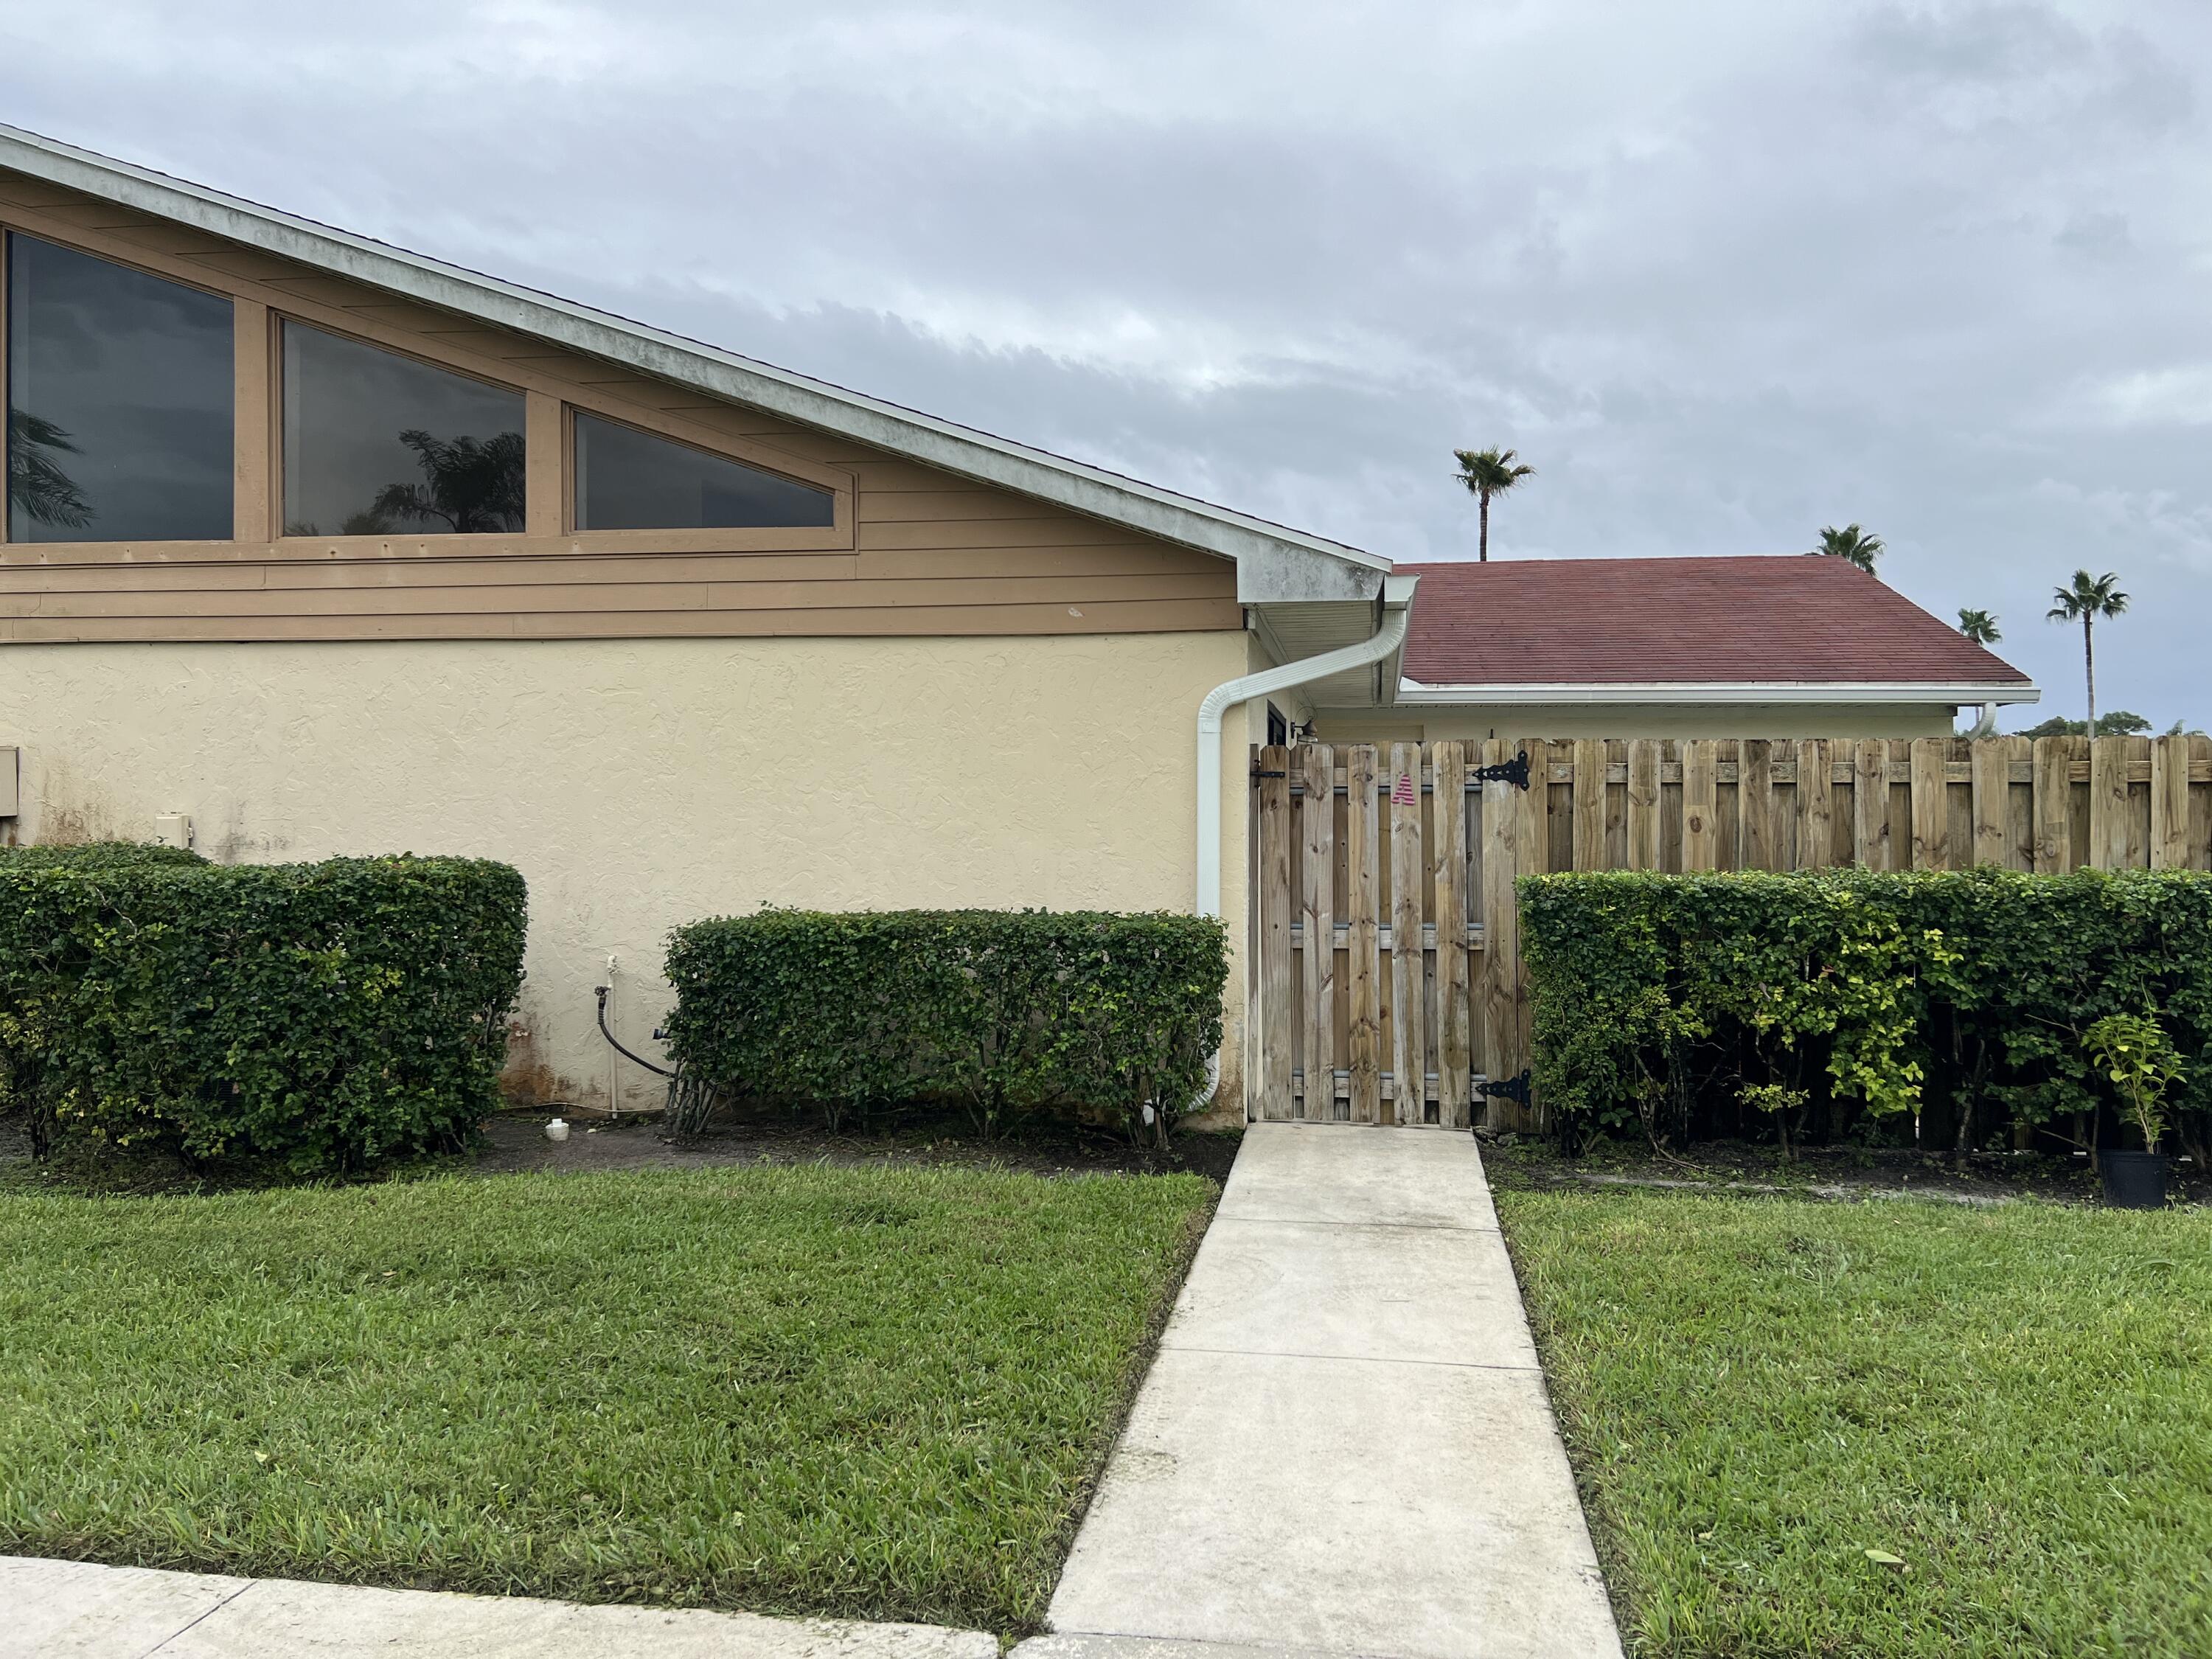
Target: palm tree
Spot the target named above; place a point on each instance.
(1851, 544)
(37, 486)
(472, 486)
(1488, 472)
(1979, 626)
(2084, 600)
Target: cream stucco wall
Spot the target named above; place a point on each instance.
(640, 784)
(1629, 720)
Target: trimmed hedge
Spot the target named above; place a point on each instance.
(325, 1016)
(1951, 1004)
(1006, 1013)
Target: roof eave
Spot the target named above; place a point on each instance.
(1725, 692)
(1274, 563)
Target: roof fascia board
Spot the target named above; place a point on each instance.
(1677, 692)
(1287, 563)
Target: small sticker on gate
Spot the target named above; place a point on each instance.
(1405, 795)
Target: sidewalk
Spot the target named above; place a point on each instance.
(1344, 1446)
(73, 1610)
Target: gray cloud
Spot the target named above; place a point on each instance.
(1725, 270)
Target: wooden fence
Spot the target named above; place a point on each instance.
(1365, 846)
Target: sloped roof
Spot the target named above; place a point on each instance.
(1274, 563)
(1790, 620)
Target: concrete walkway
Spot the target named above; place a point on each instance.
(72, 1610)
(1344, 1446)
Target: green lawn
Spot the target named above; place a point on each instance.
(862, 1392)
(2017, 1403)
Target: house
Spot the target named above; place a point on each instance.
(320, 547)
(1772, 647)
(314, 545)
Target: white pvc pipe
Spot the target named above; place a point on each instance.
(1387, 638)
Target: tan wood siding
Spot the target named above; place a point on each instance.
(914, 552)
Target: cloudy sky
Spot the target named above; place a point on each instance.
(1724, 270)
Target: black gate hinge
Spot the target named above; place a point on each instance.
(1515, 772)
(1514, 1089)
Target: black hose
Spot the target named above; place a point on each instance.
(662, 1070)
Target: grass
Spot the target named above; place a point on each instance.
(866, 1393)
(2015, 1403)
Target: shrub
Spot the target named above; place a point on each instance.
(321, 1015)
(1006, 1013)
(1953, 1002)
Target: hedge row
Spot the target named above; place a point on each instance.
(1009, 1014)
(322, 1015)
(1951, 1005)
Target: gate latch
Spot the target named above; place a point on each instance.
(1515, 772)
(1514, 1089)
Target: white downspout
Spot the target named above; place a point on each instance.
(1397, 599)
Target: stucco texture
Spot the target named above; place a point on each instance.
(641, 784)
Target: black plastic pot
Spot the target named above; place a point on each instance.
(2133, 1181)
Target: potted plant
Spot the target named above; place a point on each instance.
(2137, 1056)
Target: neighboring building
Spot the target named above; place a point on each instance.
(1789, 646)
(330, 548)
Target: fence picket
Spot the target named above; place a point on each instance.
(1756, 839)
(1931, 804)
(1643, 797)
(1276, 1042)
(1589, 795)
(1409, 992)
(1318, 915)
(2108, 805)
(2169, 804)
(1454, 1063)
(1870, 841)
(1364, 963)
(2053, 809)
(1991, 766)
(1701, 789)
(1816, 822)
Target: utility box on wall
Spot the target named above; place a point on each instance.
(11, 787)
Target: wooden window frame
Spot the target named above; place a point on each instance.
(549, 403)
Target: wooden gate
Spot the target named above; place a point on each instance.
(1401, 857)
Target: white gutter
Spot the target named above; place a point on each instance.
(1397, 599)
(1731, 691)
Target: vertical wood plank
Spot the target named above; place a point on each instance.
(1409, 985)
(1532, 855)
(253, 466)
(2169, 804)
(1870, 840)
(2053, 806)
(1816, 832)
(1497, 977)
(1364, 961)
(1991, 764)
(1277, 1038)
(1644, 802)
(545, 466)
(1700, 805)
(1754, 804)
(2108, 803)
(1455, 1064)
(1931, 804)
(1588, 788)
(1317, 912)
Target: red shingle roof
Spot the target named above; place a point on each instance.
(1788, 619)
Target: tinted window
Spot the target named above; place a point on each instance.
(628, 480)
(118, 403)
(376, 444)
